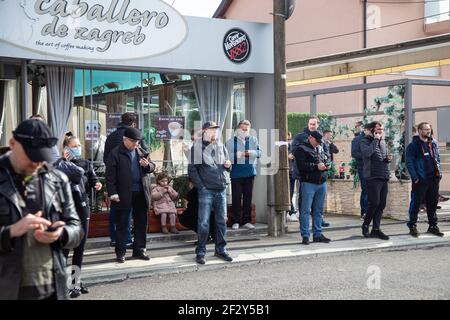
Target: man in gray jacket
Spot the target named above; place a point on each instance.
(209, 171)
(376, 173)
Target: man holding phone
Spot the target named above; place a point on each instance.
(376, 173)
(37, 218)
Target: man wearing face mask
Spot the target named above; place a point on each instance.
(244, 150)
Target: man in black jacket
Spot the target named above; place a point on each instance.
(128, 119)
(376, 173)
(37, 218)
(302, 138)
(312, 168)
(357, 155)
(125, 170)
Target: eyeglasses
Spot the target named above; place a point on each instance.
(35, 142)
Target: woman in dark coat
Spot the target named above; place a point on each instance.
(83, 179)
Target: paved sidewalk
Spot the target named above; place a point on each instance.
(247, 247)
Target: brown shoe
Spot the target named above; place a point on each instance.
(174, 230)
(164, 230)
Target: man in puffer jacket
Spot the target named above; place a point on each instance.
(423, 163)
(376, 173)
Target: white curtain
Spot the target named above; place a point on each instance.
(213, 96)
(60, 91)
(10, 116)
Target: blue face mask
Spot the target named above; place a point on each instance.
(76, 152)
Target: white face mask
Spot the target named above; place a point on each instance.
(242, 134)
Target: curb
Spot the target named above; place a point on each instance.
(185, 267)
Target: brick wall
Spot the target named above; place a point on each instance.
(343, 198)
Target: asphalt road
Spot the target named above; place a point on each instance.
(414, 274)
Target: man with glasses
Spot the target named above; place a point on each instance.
(125, 170)
(424, 167)
(37, 218)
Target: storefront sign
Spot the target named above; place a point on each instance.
(92, 29)
(91, 130)
(236, 45)
(169, 127)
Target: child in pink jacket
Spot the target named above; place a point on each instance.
(163, 197)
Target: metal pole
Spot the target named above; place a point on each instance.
(23, 91)
(281, 188)
(408, 113)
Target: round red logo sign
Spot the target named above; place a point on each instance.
(236, 45)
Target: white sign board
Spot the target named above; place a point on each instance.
(91, 129)
(105, 30)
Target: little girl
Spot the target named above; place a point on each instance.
(163, 197)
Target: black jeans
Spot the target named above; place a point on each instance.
(242, 188)
(140, 221)
(427, 190)
(377, 191)
(84, 212)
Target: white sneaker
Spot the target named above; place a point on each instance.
(291, 218)
(248, 225)
(235, 226)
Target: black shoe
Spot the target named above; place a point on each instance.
(120, 259)
(200, 259)
(224, 256)
(322, 238)
(435, 230)
(141, 256)
(83, 289)
(365, 231)
(74, 293)
(413, 231)
(379, 234)
(305, 240)
(438, 207)
(325, 224)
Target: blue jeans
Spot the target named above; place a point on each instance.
(313, 197)
(211, 200)
(363, 201)
(112, 225)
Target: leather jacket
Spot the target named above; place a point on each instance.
(58, 205)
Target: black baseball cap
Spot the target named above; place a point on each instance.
(210, 125)
(132, 133)
(317, 135)
(36, 139)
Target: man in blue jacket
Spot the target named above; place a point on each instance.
(423, 163)
(243, 150)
